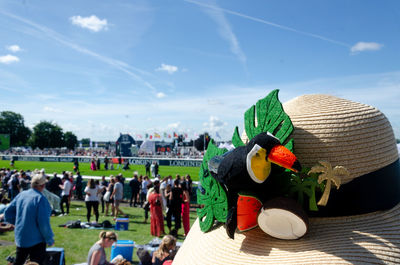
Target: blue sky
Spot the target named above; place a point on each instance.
(98, 68)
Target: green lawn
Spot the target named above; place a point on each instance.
(58, 167)
(77, 242)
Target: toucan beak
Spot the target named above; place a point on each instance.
(281, 156)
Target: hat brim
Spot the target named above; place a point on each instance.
(369, 238)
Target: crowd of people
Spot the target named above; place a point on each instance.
(166, 199)
(96, 151)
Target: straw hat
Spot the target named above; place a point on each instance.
(361, 222)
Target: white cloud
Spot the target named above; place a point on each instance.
(117, 64)
(174, 125)
(160, 95)
(214, 124)
(50, 109)
(366, 46)
(170, 69)
(13, 48)
(92, 23)
(7, 59)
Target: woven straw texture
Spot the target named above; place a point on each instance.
(342, 132)
(364, 239)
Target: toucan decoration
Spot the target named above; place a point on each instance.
(244, 173)
(259, 183)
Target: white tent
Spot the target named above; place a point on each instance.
(148, 147)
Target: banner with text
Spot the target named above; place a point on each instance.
(86, 159)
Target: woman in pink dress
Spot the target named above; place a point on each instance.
(185, 208)
(157, 218)
(93, 164)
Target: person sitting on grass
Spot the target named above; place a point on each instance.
(97, 254)
(162, 254)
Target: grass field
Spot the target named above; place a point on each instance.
(84, 168)
(77, 242)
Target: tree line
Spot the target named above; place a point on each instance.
(45, 134)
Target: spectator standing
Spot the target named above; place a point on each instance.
(66, 187)
(150, 190)
(126, 165)
(152, 169)
(147, 167)
(111, 164)
(175, 208)
(140, 190)
(110, 189)
(143, 192)
(98, 163)
(185, 208)
(76, 165)
(103, 190)
(91, 199)
(167, 195)
(5, 181)
(55, 183)
(119, 161)
(14, 181)
(30, 214)
(106, 163)
(78, 186)
(163, 186)
(156, 169)
(189, 184)
(24, 181)
(93, 164)
(135, 188)
(156, 217)
(118, 195)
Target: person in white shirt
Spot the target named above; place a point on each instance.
(92, 199)
(66, 187)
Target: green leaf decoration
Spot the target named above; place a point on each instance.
(270, 118)
(236, 140)
(304, 186)
(212, 195)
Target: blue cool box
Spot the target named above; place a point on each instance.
(124, 248)
(121, 223)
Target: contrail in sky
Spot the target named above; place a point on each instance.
(269, 23)
(122, 66)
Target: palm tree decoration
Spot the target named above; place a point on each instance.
(329, 175)
(303, 186)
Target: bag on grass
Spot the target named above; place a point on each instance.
(106, 196)
(146, 206)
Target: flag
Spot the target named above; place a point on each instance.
(175, 135)
(156, 135)
(169, 135)
(151, 136)
(147, 135)
(165, 135)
